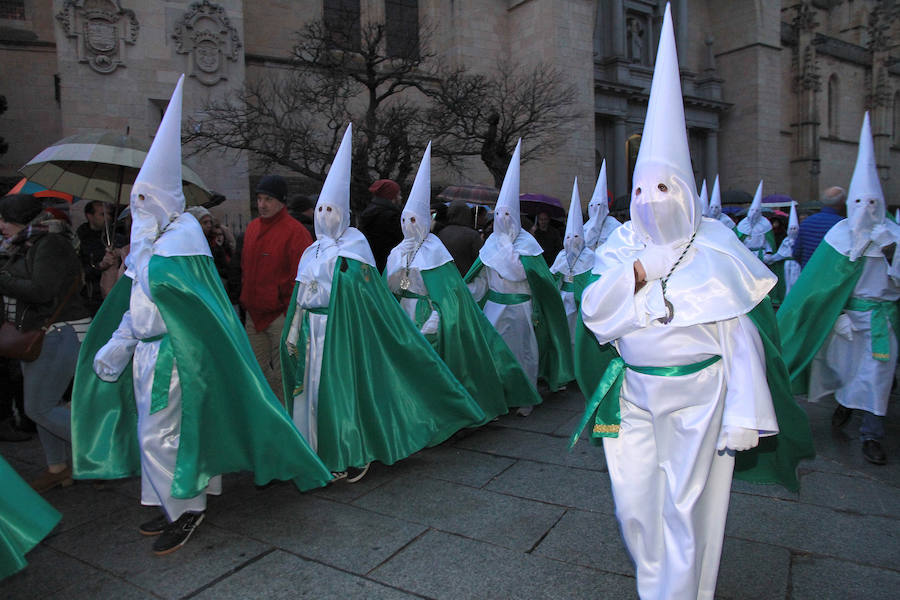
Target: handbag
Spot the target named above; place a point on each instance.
(26, 345)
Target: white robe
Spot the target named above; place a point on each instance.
(844, 365)
(670, 485)
(791, 267)
(594, 238)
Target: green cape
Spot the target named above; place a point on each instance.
(471, 347)
(383, 393)
(549, 319)
(813, 305)
(230, 419)
(776, 457)
(25, 519)
(776, 295)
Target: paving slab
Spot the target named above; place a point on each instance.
(456, 465)
(340, 535)
(751, 571)
(588, 539)
(574, 488)
(440, 565)
(479, 514)
(47, 572)
(83, 502)
(858, 494)
(814, 529)
(101, 586)
(818, 578)
(544, 419)
(280, 575)
(116, 546)
(538, 447)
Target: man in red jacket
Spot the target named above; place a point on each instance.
(273, 244)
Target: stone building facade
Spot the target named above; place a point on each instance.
(774, 89)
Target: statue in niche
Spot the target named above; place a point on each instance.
(635, 33)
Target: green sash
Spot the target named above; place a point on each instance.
(604, 402)
(883, 313)
(508, 299)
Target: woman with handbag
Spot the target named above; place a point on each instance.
(45, 319)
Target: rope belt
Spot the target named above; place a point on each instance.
(883, 313)
(317, 310)
(498, 298)
(409, 294)
(604, 402)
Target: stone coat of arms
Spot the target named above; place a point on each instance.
(99, 28)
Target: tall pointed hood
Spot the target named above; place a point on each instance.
(755, 225)
(157, 191)
(598, 210)
(704, 199)
(865, 198)
(665, 208)
(575, 257)
(507, 220)
(420, 249)
(793, 229)
(332, 216)
(715, 202)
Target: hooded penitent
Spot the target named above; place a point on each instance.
(420, 248)
(600, 224)
(865, 198)
(502, 249)
(575, 257)
(704, 199)
(754, 227)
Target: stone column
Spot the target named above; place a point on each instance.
(711, 150)
(617, 22)
(620, 160)
(681, 31)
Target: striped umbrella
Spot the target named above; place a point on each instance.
(100, 166)
(471, 194)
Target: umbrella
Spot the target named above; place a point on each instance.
(38, 191)
(534, 204)
(471, 194)
(737, 197)
(100, 166)
(778, 200)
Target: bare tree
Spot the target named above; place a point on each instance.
(397, 100)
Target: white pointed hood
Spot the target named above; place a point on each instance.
(715, 202)
(157, 198)
(665, 208)
(793, 229)
(755, 225)
(599, 225)
(704, 199)
(420, 249)
(575, 257)
(334, 236)
(508, 241)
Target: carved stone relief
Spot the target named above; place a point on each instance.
(100, 28)
(206, 35)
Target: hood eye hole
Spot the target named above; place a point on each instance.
(872, 202)
(320, 209)
(412, 219)
(662, 187)
(328, 209)
(858, 200)
(637, 192)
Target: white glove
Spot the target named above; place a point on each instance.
(112, 359)
(737, 438)
(431, 325)
(881, 235)
(843, 327)
(657, 260)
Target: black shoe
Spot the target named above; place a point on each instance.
(873, 452)
(176, 534)
(354, 474)
(154, 526)
(840, 416)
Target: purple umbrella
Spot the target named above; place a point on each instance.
(535, 204)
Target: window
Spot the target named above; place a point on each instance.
(12, 9)
(342, 23)
(402, 28)
(833, 114)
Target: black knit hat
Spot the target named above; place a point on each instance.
(20, 208)
(273, 185)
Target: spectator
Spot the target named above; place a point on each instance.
(302, 208)
(95, 251)
(814, 227)
(380, 221)
(459, 237)
(38, 283)
(438, 216)
(273, 244)
(208, 225)
(11, 396)
(548, 237)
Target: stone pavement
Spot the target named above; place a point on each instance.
(501, 512)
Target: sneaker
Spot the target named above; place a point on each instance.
(840, 416)
(354, 474)
(873, 452)
(337, 476)
(46, 481)
(176, 534)
(154, 526)
(524, 411)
